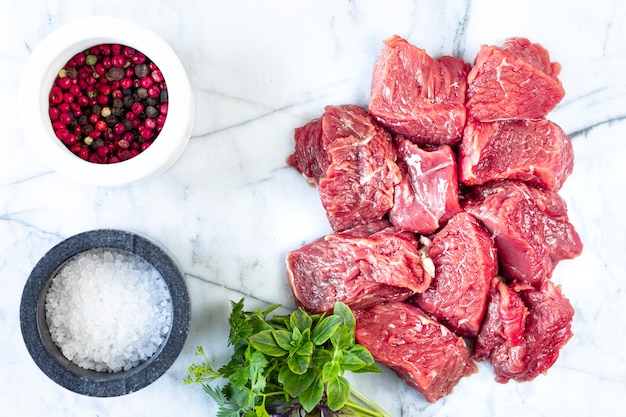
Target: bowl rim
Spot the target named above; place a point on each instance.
(53, 52)
(46, 354)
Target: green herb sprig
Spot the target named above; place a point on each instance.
(288, 365)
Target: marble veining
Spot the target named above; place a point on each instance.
(230, 209)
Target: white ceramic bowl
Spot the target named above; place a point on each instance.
(43, 67)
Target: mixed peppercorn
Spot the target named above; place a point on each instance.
(108, 103)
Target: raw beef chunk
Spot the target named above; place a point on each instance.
(310, 157)
(465, 264)
(524, 329)
(427, 196)
(515, 81)
(423, 352)
(360, 267)
(530, 227)
(417, 96)
(535, 151)
(352, 160)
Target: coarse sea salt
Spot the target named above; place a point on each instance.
(108, 310)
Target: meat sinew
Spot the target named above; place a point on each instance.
(423, 352)
(465, 262)
(515, 81)
(524, 329)
(534, 151)
(352, 160)
(530, 226)
(360, 267)
(427, 196)
(417, 96)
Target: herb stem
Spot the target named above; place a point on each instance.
(372, 408)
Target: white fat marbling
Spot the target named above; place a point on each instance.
(230, 208)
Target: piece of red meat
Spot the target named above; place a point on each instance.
(417, 96)
(524, 329)
(534, 151)
(530, 227)
(515, 81)
(502, 331)
(465, 262)
(360, 267)
(352, 160)
(310, 157)
(427, 196)
(423, 352)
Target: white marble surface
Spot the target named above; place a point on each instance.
(230, 209)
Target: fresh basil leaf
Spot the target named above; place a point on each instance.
(296, 337)
(338, 393)
(305, 349)
(283, 338)
(299, 363)
(325, 329)
(294, 383)
(343, 338)
(301, 320)
(359, 354)
(312, 396)
(352, 362)
(265, 342)
(320, 357)
(343, 311)
(330, 370)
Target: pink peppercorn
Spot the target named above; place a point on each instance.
(106, 94)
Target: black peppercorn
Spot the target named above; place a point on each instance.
(117, 111)
(151, 111)
(128, 101)
(110, 120)
(116, 73)
(142, 70)
(142, 93)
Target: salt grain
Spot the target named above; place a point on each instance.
(108, 310)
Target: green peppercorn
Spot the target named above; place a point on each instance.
(91, 60)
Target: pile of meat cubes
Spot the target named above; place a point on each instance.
(447, 222)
